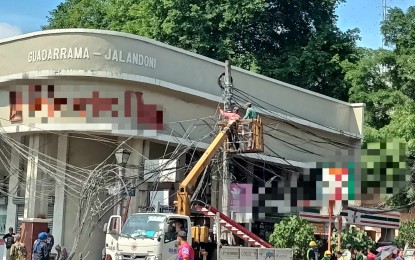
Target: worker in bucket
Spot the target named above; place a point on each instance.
(233, 131)
(250, 112)
(232, 115)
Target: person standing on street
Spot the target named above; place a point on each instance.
(370, 254)
(50, 241)
(40, 248)
(185, 251)
(358, 253)
(364, 254)
(400, 255)
(18, 249)
(327, 255)
(9, 240)
(311, 253)
(347, 255)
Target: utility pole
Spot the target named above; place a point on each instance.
(227, 102)
(121, 176)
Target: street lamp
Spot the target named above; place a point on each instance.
(122, 156)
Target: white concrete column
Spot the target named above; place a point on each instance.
(31, 193)
(142, 190)
(11, 220)
(42, 185)
(135, 161)
(59, 207)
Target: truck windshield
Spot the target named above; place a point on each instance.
(145, 225)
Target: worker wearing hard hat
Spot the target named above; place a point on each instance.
(327, 255)
(311, 252)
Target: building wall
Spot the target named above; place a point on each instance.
(287, 140)
(174, 69)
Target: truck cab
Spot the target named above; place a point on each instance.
(147, 236)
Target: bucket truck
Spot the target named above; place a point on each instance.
(152, 236)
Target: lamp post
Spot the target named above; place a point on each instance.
(122, 156)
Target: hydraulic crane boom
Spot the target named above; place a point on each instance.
(183, 202)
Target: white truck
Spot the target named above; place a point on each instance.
(151, 236)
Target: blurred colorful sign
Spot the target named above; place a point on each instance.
(240, 198)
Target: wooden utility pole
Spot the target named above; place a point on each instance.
(227, 102)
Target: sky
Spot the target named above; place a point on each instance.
(24, 16)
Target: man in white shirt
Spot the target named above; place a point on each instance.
(347, 255)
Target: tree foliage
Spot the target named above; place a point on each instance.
(293, 232)
(293, 41)
(406, 234)
(399, 32)
(384, 80)
(352, 236)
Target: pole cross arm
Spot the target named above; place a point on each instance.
(188, 184)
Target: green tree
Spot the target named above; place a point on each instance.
(406, 234)
(293, 232)
(383, 80)
(399, 32)
(372, 82)
(297, 42)
(90, 14)
(352, 236)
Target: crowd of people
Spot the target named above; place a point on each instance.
(354, 253)
(16, 249)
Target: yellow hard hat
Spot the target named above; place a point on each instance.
(312, 244)
(327, 252)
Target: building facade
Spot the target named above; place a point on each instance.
(70, 97)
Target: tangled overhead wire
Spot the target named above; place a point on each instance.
(87, 187)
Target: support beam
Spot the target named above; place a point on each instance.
(11, 220)
(59, 207)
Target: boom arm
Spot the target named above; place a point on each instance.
(183, 202)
